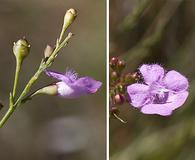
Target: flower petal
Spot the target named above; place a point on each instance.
(66, 91)
(151, 73)
(138, 94)
(57, 75)
(88, 84)
(173, 102)
(177, 100)
(175, 81)
(160, 109)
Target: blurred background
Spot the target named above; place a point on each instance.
(52, 128)
(150, 31)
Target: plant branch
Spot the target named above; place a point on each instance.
(42, 67)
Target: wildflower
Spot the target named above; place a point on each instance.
(70, 86)
(161, 92)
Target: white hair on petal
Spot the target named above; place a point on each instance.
(71, 74)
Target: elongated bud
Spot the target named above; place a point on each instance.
(21, 49)
(48, 51)
(69, 18)
(50, 90)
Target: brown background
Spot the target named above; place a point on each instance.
(52, 127)
(163, 32)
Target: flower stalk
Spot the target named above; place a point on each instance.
(13, 104)
(21, 50)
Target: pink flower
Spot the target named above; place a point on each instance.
(70, 86)
(161, 92)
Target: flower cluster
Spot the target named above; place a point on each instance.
(118, 85)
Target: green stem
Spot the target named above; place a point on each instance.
(9, 112)
(18, 67)
(7, 115)
(30, 83)
(61, 35)
(64, 28)
(27, 88)
(42, 67)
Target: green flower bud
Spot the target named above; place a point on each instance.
(21, 49)
(69, 18)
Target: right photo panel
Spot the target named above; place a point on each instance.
(152, 79)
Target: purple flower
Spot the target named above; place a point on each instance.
(70, 86)
(161, 93)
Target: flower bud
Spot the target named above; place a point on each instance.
(113, 62)
(114, 76)
(136, 76)
(69, 18)
(119, 99)
(131, 77)
(121, 65)
(21, 49)
(48, 51)
(50, 90)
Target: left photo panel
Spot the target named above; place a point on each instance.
(53, 80)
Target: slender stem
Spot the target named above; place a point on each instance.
(29, 85)
(7, 115)
(64, 28)
(59, 46)
(18, 67)
(61, 35)
(42, 67)
(9, 112)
